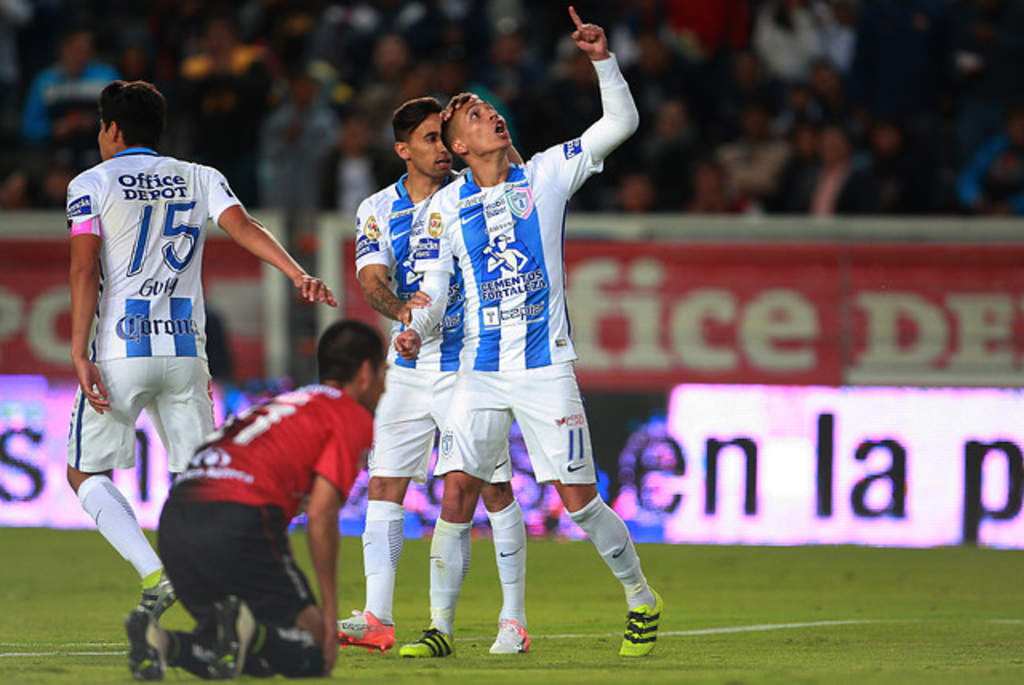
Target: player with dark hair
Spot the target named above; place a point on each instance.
(503, 223)
(224, 529)
(419, 390)
(138, 225)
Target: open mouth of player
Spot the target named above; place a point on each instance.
(500, 130)
(443, 162)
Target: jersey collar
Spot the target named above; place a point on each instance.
(139, 150)
(404, 194)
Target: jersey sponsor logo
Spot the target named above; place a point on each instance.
(365, 246)
(572, 420)
(435, 226)
(428, 248)
(520, 201)
(495, 316)
(154, 286)
(372, 230)
(144, 186)
(80, 207)
(572, 148)
(408, 277)
(509, 270)
(134, 327)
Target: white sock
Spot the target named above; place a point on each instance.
(114, 517)
(510, 553)
(382, 545)
(449, 564)
(611, 538)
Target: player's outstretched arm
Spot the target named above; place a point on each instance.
(373, 279)
(85, 279)
(619, 119)
(322, 521)
(254, 237)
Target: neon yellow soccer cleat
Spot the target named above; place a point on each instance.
(642, 628)
(434, 643)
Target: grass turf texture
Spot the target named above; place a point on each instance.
(921, 616)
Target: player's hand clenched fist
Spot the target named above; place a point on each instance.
(589, 38)
(313, 289)
(407, 343)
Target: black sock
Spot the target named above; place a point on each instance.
(188, 652)
(291, 652)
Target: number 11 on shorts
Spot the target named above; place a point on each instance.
(576, 449)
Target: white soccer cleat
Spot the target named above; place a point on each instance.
(512, 638)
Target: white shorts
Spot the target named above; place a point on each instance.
(547, 405)
(409, 413)
(174, 391)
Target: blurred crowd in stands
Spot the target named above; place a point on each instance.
(820, 107)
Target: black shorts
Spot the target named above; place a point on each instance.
(214, 549)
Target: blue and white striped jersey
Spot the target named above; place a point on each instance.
(386, 223)
(509, 241)
(150, 213)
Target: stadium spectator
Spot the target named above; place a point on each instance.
(786, 38)
(839, 187)
(900, 65)
(636, 193)
(225, 94)
(902, 179)
(800, 106)
(993, 181)
(13, 15)
(655, 76)
(710, 192)
(60, 107)
(670, 153)
(14, 191)
(829, 92)
(356, 175)
(988, 48)
(706, 28)
(838, 20)
(748, 83)
(753, 164)
(293, 147)
(801, 172)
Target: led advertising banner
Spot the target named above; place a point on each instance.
(704, 464)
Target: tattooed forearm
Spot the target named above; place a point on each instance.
(380, 297)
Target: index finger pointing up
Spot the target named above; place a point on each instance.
(575, 17)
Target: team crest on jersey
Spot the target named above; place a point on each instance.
(435, 226)
(372, 230)
(520, 201)
(572, 148)
(447, 443)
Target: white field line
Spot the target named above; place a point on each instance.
(564, 636)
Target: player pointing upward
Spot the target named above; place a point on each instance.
(518, 353)
(138, 226)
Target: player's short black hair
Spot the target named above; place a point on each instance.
(411, 114)
(446, 124)
(139, 110)
(343, 348)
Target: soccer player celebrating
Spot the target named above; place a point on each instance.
(224, 529)
(137, 223)
(419, 388)
(504, 225)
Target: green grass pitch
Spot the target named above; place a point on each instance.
(733, 615)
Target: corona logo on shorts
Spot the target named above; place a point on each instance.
(435, 227)
(447, 441)
(372, 230)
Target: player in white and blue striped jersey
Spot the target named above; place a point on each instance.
(138, 224)
(503, 224)
(418, 389)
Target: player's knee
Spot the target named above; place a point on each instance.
(498, 496)
(387, 489)
(575, 497)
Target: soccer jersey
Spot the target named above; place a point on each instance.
(150, 213)
(509, 242)
(385, 224)
(269, 454)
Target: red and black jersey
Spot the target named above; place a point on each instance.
(269, 454)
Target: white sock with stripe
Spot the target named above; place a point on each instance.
(510, 554)
(116, 521)
(449, 564)
(611, 538)
(382, 546)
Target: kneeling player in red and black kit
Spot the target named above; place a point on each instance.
(223, 532)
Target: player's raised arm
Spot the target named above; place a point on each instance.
(254, 237)
(619, 119)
